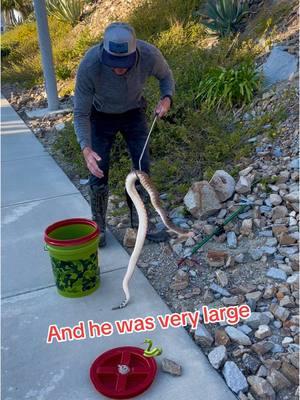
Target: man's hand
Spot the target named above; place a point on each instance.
(91, 159)
(163, 107)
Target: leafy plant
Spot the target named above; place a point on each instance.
(225, 15)
(228, 87)
(66, 10)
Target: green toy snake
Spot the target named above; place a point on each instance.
(154, 352)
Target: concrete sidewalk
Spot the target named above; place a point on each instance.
(36, 193)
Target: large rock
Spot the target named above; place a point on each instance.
(218, 356)
(290, 372)
(235, 379)
(278, 380)
(223, 184)
(203, 337)
(201, 200)
(251, 363)
(279, 312)
(280, 65)
(237, 336)
(256, 319)
(243, 185)
(261, 388)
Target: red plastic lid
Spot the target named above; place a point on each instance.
(123, 372)
(71, 242)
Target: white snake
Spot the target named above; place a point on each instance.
(146, 182)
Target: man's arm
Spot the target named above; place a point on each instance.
(163, 73)
(83, 100)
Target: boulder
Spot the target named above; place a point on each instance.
(223, 184)
(243, 185)
(201, 200)
(279, 66)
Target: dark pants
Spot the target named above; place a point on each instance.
(104, 128)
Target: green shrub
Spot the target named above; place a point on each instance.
(228, 87)
(23, 64)
(66, 10)
(225, 15)
(155, 16)
(66, 144)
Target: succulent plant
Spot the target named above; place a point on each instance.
(66, 10)
(225, 15)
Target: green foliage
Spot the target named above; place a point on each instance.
(66, 10)
(23, 64)
(66, 144)
(5, 51)
(67, 58)
(191, 142)
(228, 87)
(265, 22)
(155, 16)
(225, 15)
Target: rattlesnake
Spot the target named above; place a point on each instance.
(148, 185)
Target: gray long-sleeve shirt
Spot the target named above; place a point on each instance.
(98, 85)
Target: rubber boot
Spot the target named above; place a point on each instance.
(99, 200)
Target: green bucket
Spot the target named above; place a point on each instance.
(73, 249)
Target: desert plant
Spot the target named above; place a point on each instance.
(228, 87)
(66, 10)
(224, 16)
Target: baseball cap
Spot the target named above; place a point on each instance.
(119, 46)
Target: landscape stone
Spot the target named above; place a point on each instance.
(222, 278)
(277, 274)
(237, 336)
(290, 372)
(279, 212)
(256, 319)
(216, 258)
(221, 337)
(246, 227)
(275, 199)
(254, 295)
(218, 356)
(251, 363)
(129, 237)
(231, 240)
(234, 378)
(263, 332)
(203, 337)
(201, 200)
(256, 254)
(243, 185)
(245, 329)
(223, 184)
(261, 388)
(279, 66)
(278, 380)
(218, 289)
(171, 367)
(279, 312)
(262, 347)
